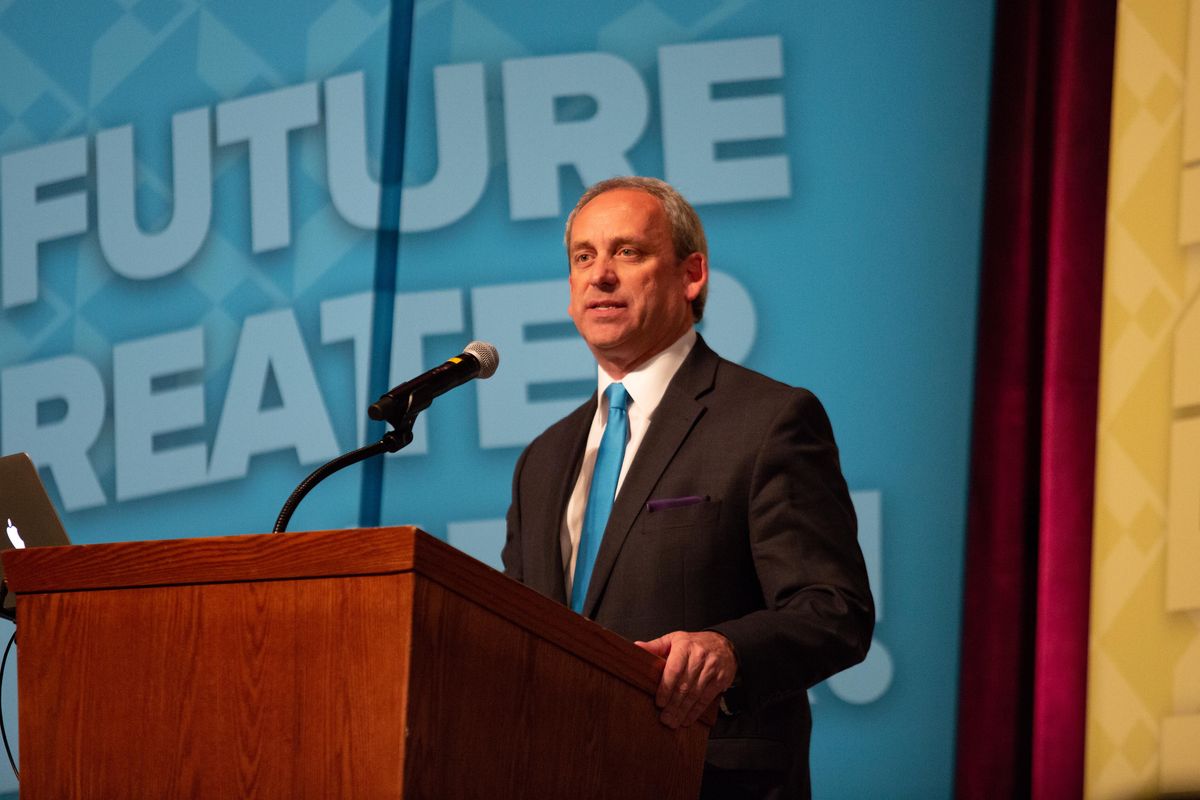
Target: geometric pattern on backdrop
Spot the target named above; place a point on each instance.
(1143, 729)
(197, 55)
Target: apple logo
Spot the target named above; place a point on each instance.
(14, 535)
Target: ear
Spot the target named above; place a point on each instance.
(695, 274)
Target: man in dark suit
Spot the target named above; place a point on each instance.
(730, 548)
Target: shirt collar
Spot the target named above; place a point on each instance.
(647, 384)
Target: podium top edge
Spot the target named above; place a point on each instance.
(216, 559)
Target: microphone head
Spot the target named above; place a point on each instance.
(487, 355)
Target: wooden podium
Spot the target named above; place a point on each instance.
(374, 663)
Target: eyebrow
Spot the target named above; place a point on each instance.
(619, 243)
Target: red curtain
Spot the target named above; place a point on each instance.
(1023, 676)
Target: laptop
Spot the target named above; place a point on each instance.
(27, 515)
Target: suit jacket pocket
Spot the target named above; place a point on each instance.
(702, 514)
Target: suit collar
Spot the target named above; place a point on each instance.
(675, 417)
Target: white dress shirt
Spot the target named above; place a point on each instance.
(646, 386)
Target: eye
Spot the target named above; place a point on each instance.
(581, 258)
(627, 252)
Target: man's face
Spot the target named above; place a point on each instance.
(630, 297)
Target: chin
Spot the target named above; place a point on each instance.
(603, 337)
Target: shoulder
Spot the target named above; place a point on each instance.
(753, 412)
(742, 399)
(754, 394)
(705, 372)
(732, 376)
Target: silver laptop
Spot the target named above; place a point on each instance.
(28, 516)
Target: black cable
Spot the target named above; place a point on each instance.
(3, 733)
(6, 613)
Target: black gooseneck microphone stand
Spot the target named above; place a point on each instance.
(402, 418)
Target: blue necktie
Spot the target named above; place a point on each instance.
(602, 492)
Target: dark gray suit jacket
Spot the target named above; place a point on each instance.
(769, 558)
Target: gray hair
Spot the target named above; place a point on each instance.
(687, 232)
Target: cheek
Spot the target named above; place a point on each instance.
(653, 295)
(576, 308)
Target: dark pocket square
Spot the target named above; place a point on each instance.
(673, 502)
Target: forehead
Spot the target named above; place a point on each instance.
(620, 212)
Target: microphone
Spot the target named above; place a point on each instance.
(478, 360)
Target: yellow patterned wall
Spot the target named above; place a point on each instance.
(1143, 728)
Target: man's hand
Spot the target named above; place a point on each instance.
(699, 667)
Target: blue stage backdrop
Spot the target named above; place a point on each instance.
(188, 220)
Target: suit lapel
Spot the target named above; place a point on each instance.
(559, 493)
(674, 419)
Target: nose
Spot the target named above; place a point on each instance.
(604, 273)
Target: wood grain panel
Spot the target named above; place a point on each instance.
(497, 711)
(279, 689)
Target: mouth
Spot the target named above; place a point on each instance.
(605, 305)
